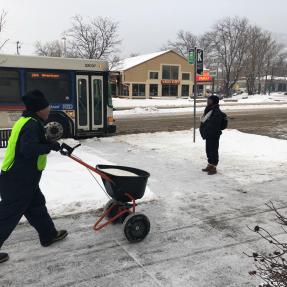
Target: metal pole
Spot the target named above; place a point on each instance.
(18, 47)
(194, 92)
(213, 85)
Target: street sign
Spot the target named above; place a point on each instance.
(199, 58)
(213, 74)
(191, 56)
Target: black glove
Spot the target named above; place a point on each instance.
(55, 146)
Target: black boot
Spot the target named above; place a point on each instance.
(60, 236)
(4, 257)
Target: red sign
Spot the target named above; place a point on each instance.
(173, 82)
(204, 78)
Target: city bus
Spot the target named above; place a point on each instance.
(77, 89)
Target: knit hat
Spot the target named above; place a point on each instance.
(214, 99)
(35, 101)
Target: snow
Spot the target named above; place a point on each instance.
(244, 154)
(157, 111)
(69, 187)
(198, 222)
(132, 107)
(128, 63)
(273, 97)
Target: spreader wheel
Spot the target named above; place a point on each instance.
(136, 227)
(114, 211)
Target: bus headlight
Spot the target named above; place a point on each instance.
(70, 114)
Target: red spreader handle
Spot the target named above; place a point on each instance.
(101, 174)
(68, 150)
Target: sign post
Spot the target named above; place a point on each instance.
(194, 94)
(195, 57)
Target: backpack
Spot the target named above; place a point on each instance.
(224, 122)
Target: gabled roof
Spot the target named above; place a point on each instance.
(128, 63)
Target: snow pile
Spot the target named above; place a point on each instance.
(119, 103)
(69, 187)
(274, 97)
(164, 103)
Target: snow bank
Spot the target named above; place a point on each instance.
(182, 103)
(133, 107)
(155, 111)
(69, 187)
(272, 98)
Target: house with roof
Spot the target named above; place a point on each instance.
(160, 74)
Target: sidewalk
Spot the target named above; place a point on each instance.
(199, 223)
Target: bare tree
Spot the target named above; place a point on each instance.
(271, 266)
(3, 17)
(228, 43)
(183, 43)
(97, 39)
(50, 49)
(259, 46)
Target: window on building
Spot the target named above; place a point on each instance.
(170, 72)
(153, 75)
(9, 86)
(138, 90)
(169, 90)
(153, 90)
(185, 76)
(54, 85)
(185, 90)
(124, 90)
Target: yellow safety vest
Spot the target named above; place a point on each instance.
(11, 148)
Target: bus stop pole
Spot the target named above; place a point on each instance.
(194, 93)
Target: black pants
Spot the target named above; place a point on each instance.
(22, 199)
(212, 145)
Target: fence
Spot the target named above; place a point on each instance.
(4, 137)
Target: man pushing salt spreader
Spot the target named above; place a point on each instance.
(21, 171)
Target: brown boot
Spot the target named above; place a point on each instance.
(212, 170)
(207, 168)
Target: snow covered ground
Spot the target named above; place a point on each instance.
(180, 103)
(132, 107)
(199, 222)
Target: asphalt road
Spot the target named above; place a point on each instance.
(269, 122)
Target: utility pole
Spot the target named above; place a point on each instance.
(64, 47)
(18, 47)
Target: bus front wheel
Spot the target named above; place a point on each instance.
(56, 128)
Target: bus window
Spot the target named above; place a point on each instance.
(54, 85)
(9, 86)
(111, 92)
(98, 100)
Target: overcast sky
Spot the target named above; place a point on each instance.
(144, 25)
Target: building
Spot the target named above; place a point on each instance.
(265, 84)
(161, 74)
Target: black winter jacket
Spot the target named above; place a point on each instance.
(31, 143)
(211, 128)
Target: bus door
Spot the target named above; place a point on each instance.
(89, 102)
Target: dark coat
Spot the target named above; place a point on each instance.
(211, 128)
(31, 143)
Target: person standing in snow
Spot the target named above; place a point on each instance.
(21, 171)
(212, 123)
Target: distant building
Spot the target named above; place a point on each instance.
(266, 84)
(161, 74)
